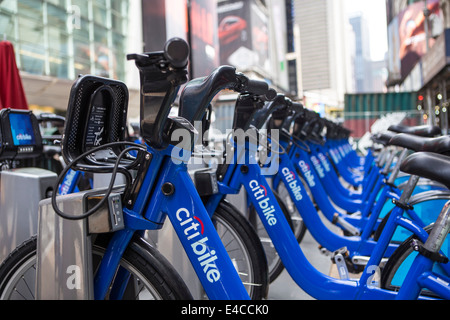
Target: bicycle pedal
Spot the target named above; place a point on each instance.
(341, 265)
(341, 256)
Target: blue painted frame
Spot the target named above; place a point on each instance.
(191, 222)
(316, 284)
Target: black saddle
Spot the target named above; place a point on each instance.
(418, 143)
(429, 165)
(424, 131)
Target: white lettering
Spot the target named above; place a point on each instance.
(307, 171)
(74, 279)
(199, 246)
(292, 183)
(260, 194)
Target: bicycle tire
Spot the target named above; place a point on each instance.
(255, 280)
(149, 265)
(398, 257)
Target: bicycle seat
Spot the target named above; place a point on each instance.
(429, 165)
(418, 143)
(383, 138)
(424, 131)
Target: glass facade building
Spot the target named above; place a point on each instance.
(64, 38)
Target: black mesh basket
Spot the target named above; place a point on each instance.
(96, 115)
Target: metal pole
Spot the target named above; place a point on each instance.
(444, 106)
(426, 14)
(430, 108)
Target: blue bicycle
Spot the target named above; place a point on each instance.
(161, 187)
(248, 174)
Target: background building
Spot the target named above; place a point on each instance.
(326, 71)
(55, 40)
(419, 56)
(361, 58)
(309, 50)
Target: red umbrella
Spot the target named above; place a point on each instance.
(12, 94)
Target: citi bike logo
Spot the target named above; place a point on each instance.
(260, 193)
(334, 155)
(193, 229)
(23, 136)
(307, 171)
(68, 180)
(325, 163)
(292, 183)
(318, 166)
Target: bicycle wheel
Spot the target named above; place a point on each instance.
(244, 248)
(395, 270)
(152, 276)
(275, 265)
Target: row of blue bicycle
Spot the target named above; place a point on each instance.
(391, 205)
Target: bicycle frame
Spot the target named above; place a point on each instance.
(316, 284)
(377, 205)
(70, 182)
(167, 190)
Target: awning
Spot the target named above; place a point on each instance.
(12, 94)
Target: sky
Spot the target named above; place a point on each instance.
(374, 11)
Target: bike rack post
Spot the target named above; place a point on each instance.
(64, 248)
(19, 218)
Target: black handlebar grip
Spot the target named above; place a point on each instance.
(297, 107)
(271, 94)
(257, 87)
(176, 51)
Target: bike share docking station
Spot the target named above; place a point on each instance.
(67, 224)
(20, 139)
(66, 259)
(64, 250)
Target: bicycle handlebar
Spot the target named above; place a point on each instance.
(176, 51)
(175, 55)
(198, 93)
(256, 87)
(161, 74)
(251, 110)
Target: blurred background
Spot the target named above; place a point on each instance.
(354, 61)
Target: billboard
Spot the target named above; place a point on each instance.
(162, 20)
(204, 38)
(411, 33)
(394, 61)
(193, 20)
(243, 34)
